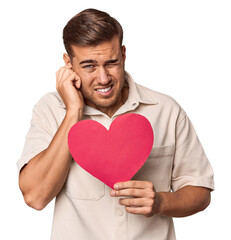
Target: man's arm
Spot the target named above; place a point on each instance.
(43, 177)
(146, 201)
(184, 202)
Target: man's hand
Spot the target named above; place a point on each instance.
(142, 197)
(68, 84)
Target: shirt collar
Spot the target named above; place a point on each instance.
(136, 96)
(137, 93)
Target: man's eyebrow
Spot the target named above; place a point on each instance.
(112, 61)
(88, 61)
(94, 61)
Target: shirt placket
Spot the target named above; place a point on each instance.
(120, 214)
(121, 218)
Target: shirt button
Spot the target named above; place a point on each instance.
(119, 213)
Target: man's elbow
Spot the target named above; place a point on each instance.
(34, 202)
(32, 199)
(206, 199)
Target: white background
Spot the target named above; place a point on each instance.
(181, 48)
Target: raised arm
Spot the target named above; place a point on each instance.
(43, 177)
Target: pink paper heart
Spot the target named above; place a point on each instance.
(113, 155)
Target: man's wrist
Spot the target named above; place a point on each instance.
(161, 202)
(74, 114)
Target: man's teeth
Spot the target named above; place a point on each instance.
(104, 90)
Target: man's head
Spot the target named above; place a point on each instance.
(90, 28)
(93, 41)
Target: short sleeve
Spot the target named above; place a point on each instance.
(191, 166)
(44, 124)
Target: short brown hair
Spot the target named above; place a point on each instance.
(90, 28)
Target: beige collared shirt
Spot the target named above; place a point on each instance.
(84, 209)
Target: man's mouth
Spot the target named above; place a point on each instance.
(105, 91)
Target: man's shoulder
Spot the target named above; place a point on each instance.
(161, 99)
(49, 103)
(50, 99)
(48, 110)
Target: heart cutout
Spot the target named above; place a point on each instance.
(113, 155)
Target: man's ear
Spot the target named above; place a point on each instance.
(124, 52)
(66, 59)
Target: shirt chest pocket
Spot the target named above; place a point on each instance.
(158, 168)
(82, 185)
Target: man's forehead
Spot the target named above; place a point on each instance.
(95, 54)
(108, 49)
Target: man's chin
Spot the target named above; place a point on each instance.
(104, 104)
(107, 103)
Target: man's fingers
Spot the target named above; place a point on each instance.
(66, 75)
(132, 192)
(63, 73)
(77, 81)
(134, 184)
(146, 211)
(140, 195)
(137, 202)
(60, 73)
(67, 82)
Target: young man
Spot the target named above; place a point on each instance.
(175, 181)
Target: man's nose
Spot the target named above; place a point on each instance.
(103, 77)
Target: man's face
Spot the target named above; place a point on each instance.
(101, 69)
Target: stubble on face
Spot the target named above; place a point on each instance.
(99, 74)
(106, 102)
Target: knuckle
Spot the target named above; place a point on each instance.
(150, 185)
(132, 191)
(130, 202)
(148, 210)
(151, 202)
(58, 80)
(152, 195)
(60, 85)
(134, 184)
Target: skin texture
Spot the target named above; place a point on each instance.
(93, 68)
